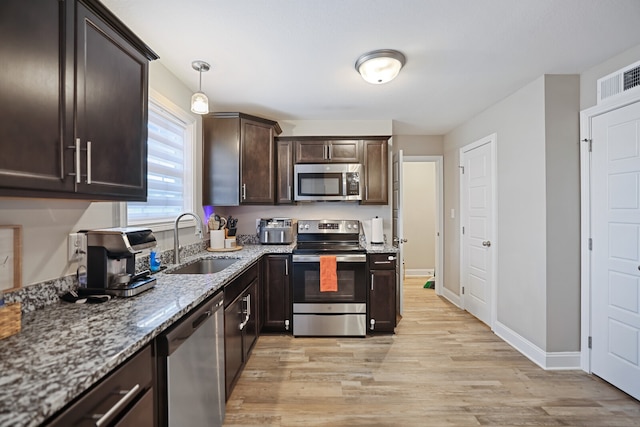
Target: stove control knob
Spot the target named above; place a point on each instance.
(306, 226)
(301, 226)
(349, 226)
(355, 226)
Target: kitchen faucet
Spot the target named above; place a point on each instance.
(176, 243)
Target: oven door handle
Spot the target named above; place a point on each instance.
(339, 258)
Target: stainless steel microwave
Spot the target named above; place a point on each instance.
(327, 181)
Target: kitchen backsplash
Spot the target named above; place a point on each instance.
(39, 295)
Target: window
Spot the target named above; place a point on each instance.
(169, 165)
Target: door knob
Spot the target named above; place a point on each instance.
(486, 243)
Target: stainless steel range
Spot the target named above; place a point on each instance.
(339, 312)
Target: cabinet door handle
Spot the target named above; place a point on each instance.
(247, 311)
(102, 419)
(382, 262)
(88, 162)
(77, 160)
(289, 193)
(330, 151)
(371, 281)
(286, 267)
(366, 192)
(244, 191)
(372, 324)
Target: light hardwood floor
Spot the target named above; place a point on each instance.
(443, 367)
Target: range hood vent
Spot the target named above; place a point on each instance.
(620, 82)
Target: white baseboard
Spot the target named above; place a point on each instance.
(411, 272)
(562, 360)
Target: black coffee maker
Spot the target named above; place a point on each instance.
(111, 263)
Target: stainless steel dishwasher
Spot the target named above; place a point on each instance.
(191, 368)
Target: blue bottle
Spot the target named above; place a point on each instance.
(154, 261)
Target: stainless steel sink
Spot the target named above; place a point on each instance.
(205, 266)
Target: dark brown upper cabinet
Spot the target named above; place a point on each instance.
(376, 176)
(323, 150)
(238, 160)
(284, 172)
(73, 102)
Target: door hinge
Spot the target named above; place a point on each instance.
(463, 229)
(463, 290)
(590, 244)
(589, 342)
(590, 141)
(461, 169)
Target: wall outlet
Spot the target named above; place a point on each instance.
(77, 247)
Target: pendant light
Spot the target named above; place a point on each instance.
(380, 66)
(199, 101)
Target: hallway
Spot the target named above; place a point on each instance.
(442, 368)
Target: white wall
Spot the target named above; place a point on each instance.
(247, 215)
(520, 247)
(47, 222)
(562, 167)
(419, 216)
(588, 79)
(419, 145)
(532, 146)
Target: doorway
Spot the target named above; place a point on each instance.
(421, 218)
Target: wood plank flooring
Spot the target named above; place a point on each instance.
(443, 367)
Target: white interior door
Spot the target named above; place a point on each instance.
(396, 226)
(615, 281)
(476, 209)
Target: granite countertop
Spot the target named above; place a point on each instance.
(381, 248)
(63, 349)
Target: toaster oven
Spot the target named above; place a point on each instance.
(274, 231)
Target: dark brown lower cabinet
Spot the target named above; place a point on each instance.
(124, 398)
(240, 324)
(382, 293)
(276, 297)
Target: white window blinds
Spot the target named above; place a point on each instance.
(168, 172)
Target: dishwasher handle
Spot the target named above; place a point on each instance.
(247, 311)
(178, 334)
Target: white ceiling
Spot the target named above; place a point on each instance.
(294, 59)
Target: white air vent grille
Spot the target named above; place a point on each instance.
(622, 81)
(632, 78)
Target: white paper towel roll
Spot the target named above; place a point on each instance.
(377, 234)
(217, 239)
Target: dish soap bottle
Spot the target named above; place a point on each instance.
(154, 261)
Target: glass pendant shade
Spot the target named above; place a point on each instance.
(380, 66)
(200, 103)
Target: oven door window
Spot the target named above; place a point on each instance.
(351, 283)
(320, 184)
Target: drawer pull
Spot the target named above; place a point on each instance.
(382, 262)
(128, 396)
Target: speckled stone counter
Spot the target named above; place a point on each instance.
(63, 349)
(380, 249)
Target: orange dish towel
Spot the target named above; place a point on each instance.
(328, 274)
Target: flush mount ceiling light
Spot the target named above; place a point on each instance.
(199, 101)
(380, 66)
